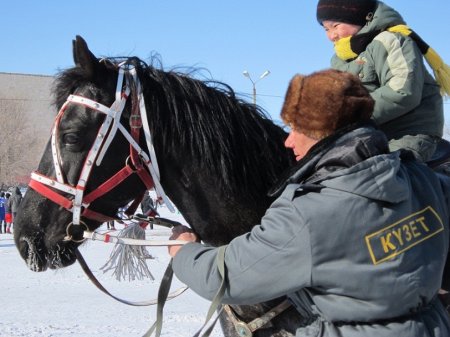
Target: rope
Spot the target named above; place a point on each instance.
(162, 298)
(97, 283)
(217, 300)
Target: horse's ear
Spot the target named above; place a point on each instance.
(83, 57)
(74, 47)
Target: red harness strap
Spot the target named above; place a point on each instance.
(90, 214)
(145, 177)
(50, 194)
(132, 208)
(109, 184)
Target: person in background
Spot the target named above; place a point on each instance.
(110, 225)
(8, 214)
(147, 204)
(372, 41)
(13, 203)
(149, 208)
(338, 239)
(2, 213)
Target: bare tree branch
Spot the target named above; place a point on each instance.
(21, 145)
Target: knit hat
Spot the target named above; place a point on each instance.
(355, 12)
(325, 101)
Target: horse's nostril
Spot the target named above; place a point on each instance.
(33, 253)
(24, 248)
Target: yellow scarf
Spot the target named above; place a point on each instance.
(350, 47)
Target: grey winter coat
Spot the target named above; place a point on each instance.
(14, 200)
(7, 205)
(407, 98)
(358, 240)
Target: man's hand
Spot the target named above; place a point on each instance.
(182, 233)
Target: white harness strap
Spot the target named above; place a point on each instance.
(117, 108)
(151, 162)
(94, 236)
(50, 182)
(55, 151)
(148, 136)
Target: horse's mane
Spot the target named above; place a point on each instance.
(225, 135)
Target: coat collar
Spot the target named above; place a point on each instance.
(345, 148)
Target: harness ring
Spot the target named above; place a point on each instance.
(69, 237)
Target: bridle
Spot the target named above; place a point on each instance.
(73, 197)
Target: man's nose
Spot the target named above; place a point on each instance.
(288, 142)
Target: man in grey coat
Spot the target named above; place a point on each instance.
(357, 238)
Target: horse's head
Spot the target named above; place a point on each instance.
(217, 155)
(81, 178)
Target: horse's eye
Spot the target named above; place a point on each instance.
(71, 138)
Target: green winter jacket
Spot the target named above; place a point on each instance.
(407, 98)
(357, 240)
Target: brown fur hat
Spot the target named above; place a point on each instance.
(320, 103)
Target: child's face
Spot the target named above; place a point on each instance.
(338, 30)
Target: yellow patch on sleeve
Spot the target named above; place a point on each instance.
(398, 237)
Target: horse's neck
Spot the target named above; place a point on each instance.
(216, 216)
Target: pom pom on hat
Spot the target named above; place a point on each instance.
(321, 103)
(355, 12)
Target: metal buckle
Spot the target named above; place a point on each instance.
(243, 330)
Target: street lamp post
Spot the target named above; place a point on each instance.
(247, 74)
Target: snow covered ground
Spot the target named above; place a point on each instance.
(65, 303)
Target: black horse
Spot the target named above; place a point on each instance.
(217, 157)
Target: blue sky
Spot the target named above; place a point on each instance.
(223, 37)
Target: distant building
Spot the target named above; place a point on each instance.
(29, 95)
(33, 95)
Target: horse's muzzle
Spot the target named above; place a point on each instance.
(33, 253)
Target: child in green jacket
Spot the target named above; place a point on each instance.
(372, 41)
